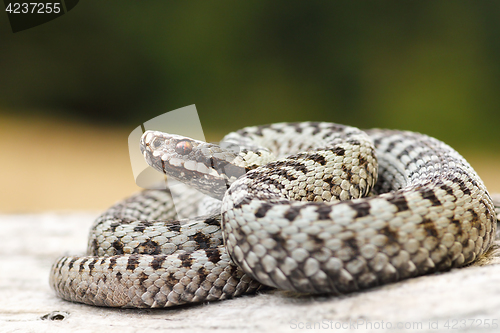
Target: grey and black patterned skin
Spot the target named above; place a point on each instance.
(433, 213)
(140, 257)
(309, 207)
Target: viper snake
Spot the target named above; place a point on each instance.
(310, 207)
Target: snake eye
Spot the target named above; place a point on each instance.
(183, 147)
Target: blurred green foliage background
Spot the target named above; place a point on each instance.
(71, 90)
(428, 66)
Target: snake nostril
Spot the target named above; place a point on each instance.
(156, 143)
(183, 147)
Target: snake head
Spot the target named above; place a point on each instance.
(205, 166)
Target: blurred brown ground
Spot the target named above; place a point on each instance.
(49, 164)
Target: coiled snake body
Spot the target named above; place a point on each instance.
(308, 207)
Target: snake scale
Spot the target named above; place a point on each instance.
(310, 207)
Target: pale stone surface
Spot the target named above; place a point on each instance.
(465, 299)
